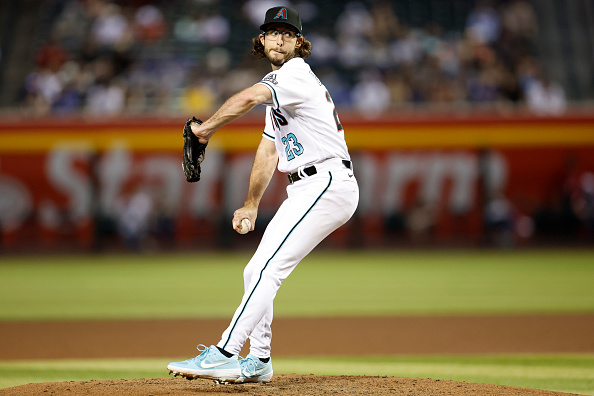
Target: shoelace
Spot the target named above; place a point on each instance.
(204, 350)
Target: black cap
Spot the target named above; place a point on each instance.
(282, 15)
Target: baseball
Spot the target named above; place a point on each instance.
(245, 226)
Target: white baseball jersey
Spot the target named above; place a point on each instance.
(302, 121)
(301, 118)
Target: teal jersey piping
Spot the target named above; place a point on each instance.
(271, 257)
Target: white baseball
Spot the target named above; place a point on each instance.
(246, 225)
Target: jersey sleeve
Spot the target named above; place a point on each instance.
(268, 130)
(287, 89)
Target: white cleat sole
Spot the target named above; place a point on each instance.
(260, 378)
(221, 376)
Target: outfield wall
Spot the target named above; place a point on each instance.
(424, 180)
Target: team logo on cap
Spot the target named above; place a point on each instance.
(282, 14)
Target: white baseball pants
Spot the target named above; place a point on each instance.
(315, 207)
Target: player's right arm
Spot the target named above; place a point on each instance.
(233, 108)
(263, 168)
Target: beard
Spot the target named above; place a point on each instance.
(276, 60)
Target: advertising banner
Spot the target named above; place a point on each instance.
(424, 182)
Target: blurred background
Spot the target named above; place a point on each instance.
(470, 122)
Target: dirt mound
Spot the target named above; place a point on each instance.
(281, 385)
(296, 337)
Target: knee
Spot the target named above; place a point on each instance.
(247, 276)
(250, 271)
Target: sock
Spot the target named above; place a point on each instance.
(224, 352)
(264, 360)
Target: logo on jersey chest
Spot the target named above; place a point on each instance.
(271, 78)
(278, 119)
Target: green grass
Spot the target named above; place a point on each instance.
(564, 373)
(324, 284)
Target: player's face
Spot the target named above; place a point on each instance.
(279, 42)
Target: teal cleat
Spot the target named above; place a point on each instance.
(210, 364)
(254, 370)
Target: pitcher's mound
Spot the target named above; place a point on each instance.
(281, 385)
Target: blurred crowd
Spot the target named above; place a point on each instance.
(106, 57)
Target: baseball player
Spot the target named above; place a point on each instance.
(304, 138)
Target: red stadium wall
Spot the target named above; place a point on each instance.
(80, 184)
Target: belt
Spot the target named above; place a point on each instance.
(311, 170)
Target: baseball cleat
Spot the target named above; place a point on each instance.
(210, 364)
(254, 370)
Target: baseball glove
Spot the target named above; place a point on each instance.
(193, 153)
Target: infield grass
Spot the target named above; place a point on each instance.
(324, 284)
(563, 373)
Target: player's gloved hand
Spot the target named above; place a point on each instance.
(193, 152)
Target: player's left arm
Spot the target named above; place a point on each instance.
(233, 108)
(262, 170)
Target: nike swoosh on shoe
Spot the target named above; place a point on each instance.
(246, 374)
(211, 365)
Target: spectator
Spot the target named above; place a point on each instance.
(488, 63)
(326, 48)
(400, 89)
(72, 25)
(354, 22)
(69, 100)
(198, 98)
(484, 23)
(216, 29)
(353, 52)
(111, 28)
(385, 25)
(149, 24)
(106, 98)
(42, 87)
(406, 49)
(371, 96)
(186, 29)
(545, 97)
(211, 29)
(482, 88)
(52, 55)
(518, 17)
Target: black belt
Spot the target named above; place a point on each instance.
(311, 170)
